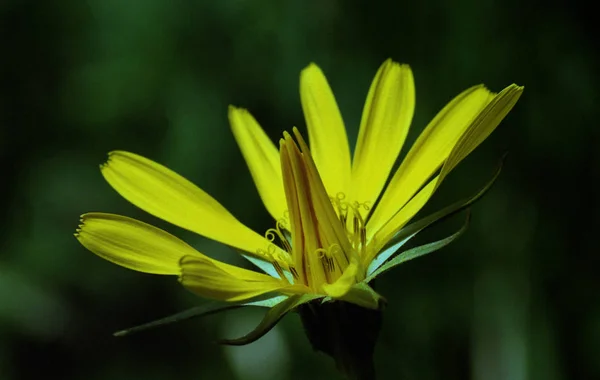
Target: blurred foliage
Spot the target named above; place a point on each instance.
(516, 298)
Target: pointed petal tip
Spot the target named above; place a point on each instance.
(394, 64)
(234, 110)
(231, 109)
(482, 86)
(514, 88)
(81, 226)
(311, 67)
(298, 135)
(109, 157)
(286, 135)
(84, 217)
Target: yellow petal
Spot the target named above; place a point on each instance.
(386, 118)
(343, 284)
(167, 195)
(295, 214)
(305, 236)
(262, 158)
(478, 130)
(429, 152)
(213, 279)
(326, 131)
(400, 219)
(330, 228)
(484, 125)
(314, 223)
(132, 244)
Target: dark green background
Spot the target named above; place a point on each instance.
(516, 298)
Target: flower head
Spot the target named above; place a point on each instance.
(337, 224)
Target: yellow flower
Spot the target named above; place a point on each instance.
(336, 221)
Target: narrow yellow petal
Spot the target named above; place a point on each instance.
(479, 129)
(428, 153)
(309, 235)
(326, 131)
(262, 158)
(386, 119)
(400, 219)
(331, 230)
(317, 234)
(132, 244)
(343, 284)
(167, 195)
(213, 279)
(484, 125)
(295, 215)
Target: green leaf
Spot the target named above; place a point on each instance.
(419, 251)
(271, 318)
(201, 311)
(408, 232)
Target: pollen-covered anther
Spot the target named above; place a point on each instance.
(279, 270)
(279, 263)
(333, 260)
(326, 260)
(294, 273)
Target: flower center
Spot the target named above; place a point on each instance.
(333, 258)
(351, 216)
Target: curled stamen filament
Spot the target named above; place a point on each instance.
(276, 259)
(277, 231)
(341, 207)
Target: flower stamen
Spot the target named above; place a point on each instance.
(352, 219)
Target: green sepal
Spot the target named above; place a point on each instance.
(268, 302)
(409, 231)
(413, 253)
(363, 295)
(265, 266)
(268, 268)
(271, 318)
(209, 308)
